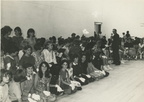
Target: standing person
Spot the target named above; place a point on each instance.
(18, 37)
(31, 38)
(6, 40)
(115, 48)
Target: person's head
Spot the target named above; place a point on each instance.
(19, 76)
(6, 31)
(37, 47)
(49, 45)
(123, 33)
(75, 58)
(28, 50)
(54, 39)
(127, 32)
(44, 69)
(73, 35)
(114, 31)
(28, 68)
(23, 44)
(5, 76)
(142, 41)
(64, 64)
(104, 37)
(18, 31)
(30, 33)
(83, 58)
(41, 41)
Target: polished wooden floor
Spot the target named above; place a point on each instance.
(125, 84)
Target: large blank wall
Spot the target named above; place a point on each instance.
(61, 18)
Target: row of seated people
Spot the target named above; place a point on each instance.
(49, 79)
(59, 68)
(45, 72)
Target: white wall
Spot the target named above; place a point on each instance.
(61, 18)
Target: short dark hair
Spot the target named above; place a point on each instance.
(75, 56)
(63, 61)
(27, 65)
(27, 47)
(18, 29)
(37, 46)
(31, 30)
(5, 30)
(3, 73)
(19, 76)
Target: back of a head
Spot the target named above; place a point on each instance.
(5, 30)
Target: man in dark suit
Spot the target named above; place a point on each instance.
(115, 47)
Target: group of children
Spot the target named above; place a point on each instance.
(39, 69)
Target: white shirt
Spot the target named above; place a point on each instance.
(49, 57)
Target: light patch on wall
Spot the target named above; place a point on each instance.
(95, 14)
(85, 32)
(142, 25)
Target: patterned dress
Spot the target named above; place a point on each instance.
(42, 84)
(38, 59)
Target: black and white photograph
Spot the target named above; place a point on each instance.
(72, 51)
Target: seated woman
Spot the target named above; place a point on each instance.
(77, 71)
(4, 79)
(14, 86)
(38, 55)
(27, 86)
(42, 83)
(50, 57)
(70, 74)
(27, 57)
(97, 48)
(98, 63)
(65, 81)
(22, 46)
(94, 72)
(84, 65)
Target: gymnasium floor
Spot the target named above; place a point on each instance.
(125, 84)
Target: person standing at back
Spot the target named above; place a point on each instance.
(115, 47)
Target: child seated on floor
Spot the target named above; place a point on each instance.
(4, 79)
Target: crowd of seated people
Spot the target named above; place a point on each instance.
(39, 69)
